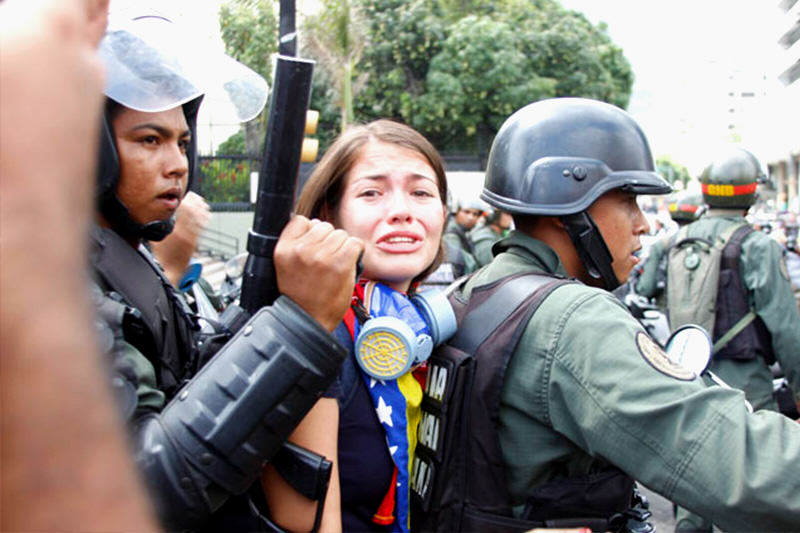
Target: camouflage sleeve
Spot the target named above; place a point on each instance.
(137, 375)
(133, 377)
(613, 392)
(647, 285)
(765, 275)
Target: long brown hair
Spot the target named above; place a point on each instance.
(322, 192)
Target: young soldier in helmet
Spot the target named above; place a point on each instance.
(196, 450)
(457, 246)
(683, 209)
(754, 295)
(580, 398)
(466, 217)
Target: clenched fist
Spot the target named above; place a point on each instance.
(316, 267)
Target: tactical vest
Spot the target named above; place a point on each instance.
(458, 479)
(754, 340)
(157, 321)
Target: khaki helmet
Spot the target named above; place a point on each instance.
(686, 207)
(730, 181)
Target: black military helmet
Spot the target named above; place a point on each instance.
(556, 157)
(730, 181)
(153, 65)
(686, 207)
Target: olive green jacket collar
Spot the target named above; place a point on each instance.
(725, 213)
(532, 250)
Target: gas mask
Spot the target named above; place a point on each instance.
(401, 331)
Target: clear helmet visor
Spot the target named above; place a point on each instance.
(153, 65)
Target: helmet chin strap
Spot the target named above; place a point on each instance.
(120, 219)
(591, 248)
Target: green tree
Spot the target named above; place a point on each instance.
(403, 37)
(475, 82)
(233, 145)
(250, 32)
(454, 69)
(335, 37)
(672, 171)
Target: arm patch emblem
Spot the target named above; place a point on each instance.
(658, 358)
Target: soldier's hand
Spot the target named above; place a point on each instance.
(316, 267)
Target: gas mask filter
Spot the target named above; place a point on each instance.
(402, 331)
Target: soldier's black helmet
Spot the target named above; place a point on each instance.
(731, 180)
(556, 157)
(153, 65)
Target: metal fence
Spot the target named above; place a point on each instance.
(218, 244)
(224, 180)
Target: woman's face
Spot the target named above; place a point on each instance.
(391, 201)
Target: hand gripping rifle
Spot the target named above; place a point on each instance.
(280, 164)
(288, 121)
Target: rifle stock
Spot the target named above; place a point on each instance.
(280, 166)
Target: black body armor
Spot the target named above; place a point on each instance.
(157, 321)
(458, 478)
(224, 421)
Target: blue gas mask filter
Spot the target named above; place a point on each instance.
(402, 331)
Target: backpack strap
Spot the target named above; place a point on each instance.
(480, 322)
(735, 330)
(733, 239)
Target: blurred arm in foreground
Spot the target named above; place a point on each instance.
(55, 397)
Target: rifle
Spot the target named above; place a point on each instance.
(306, 471)
(280, 164)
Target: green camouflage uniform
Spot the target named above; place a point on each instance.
(769, 293)
(647, 284)
(583, 388)
(457, 247)
(763, 272)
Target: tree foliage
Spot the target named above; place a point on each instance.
(453, 69)
(478, 78)
(250, 32)
(672, 171)
(233, 145)
(335, 36)
(404, 36)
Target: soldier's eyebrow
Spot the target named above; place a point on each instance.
(161, 130)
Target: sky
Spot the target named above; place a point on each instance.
(687, 56)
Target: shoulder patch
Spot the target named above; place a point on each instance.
(784, 268)
(658, 359)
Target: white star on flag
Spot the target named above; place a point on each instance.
(372, 382)
(392, 449)
(384, 412)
